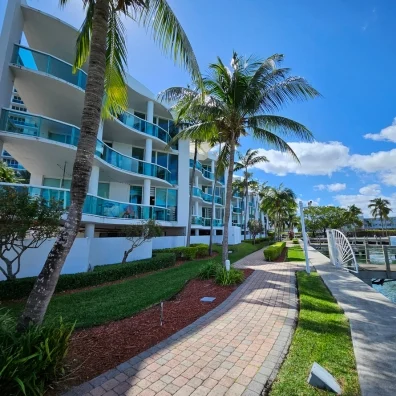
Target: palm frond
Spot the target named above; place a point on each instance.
(175, 93)
(167, 31)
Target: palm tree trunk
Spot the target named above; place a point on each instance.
(246, 203)
(45, 284)
(190, 203)
(213, 214)
(228, 200)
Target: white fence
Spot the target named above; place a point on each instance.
(84, 253)
(168, 242)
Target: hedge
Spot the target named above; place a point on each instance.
(182, 252)
(295, 241)
(259, 240)
(20, 288)
(203, 249)
(274, 251)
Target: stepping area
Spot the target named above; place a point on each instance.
(235, 349)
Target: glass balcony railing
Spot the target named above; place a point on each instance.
(237, 194)
(97, 206)
(197, 192)
(39, 61)
(237, 210)
(206, 173)
(38, 126)
(144, 126)
(205, 221)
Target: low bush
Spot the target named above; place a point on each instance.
(209, 270)
(295, 241)
(182, 252)
(259, 240)
(203, 249)
(20, 288)
(31, 360)
(231, 277)
(274, 251)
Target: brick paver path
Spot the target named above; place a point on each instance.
(235, 349)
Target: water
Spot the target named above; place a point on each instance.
(388, 290)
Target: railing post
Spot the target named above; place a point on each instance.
(387, 262)
(367, 251)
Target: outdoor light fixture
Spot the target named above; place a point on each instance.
(322, 379)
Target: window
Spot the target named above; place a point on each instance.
(162, 159)
(135, 195)
(160, 197)
(174, 168)
(163, 124)
(140, 115)
(58, 183)
(138, 153)
(103, 190)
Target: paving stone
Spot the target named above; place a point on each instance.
(98, 391)
(110, 393)
(110, 384)
(122, 388)
(98, 381)
(186, 390)
(83, 389)
(171, 388)
(236, 390)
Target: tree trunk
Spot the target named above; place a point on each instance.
(126, 254)
(246, 204)
(228, 200)
(213, 215)
(45, 284)
(190, 202)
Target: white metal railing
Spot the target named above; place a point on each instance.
(340, 251)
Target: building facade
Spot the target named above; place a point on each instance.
(135, 176)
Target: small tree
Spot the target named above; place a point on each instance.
(255, 227)
(7, 174)
(25, 223)
(138, 234)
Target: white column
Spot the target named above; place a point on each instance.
(196, 181)
(196, 208)
(94, 181)
(148, 152)
(1, 149)
(89, 231)
(100, 131)
(36, 179)
(146, 191)
(213, 166)
(11, 33)
(196, 232)
(150, 111)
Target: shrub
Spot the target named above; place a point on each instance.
(31, 360)
(209, 270)
(274, 251)
(258, 240)
(20, 288)
(231, 277)
(295, 241)
(203, 249)
(182, 252)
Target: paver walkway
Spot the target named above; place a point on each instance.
(373, 326)
(233, 350)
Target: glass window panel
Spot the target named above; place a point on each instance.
(51, 182)
(135, 195)
(66, 184)
(138, 153)
(140, 115)
(163, 124)
(103, 190)
(174, 168)
(162, 159)
(160, 197)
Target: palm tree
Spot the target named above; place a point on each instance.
(380, 208)
(101, 43)
(7, 174)
(352, 217)
(246, 161)
(278, 203)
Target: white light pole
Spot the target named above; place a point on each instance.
(304, 238)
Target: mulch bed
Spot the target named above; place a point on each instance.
(282, 257)
(95, 350)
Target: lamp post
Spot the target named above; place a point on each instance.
(305, 240)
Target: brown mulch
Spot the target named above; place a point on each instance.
(94, 351)
(282, 257)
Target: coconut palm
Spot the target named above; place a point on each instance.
(380, 208)
(246, 161)
(101, 43)
(279, 204)
(352, 217)
(239, 101)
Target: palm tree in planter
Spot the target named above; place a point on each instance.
(240, 101)
(246, 161)
(101, 43)
(380, 208)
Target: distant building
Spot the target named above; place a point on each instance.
(371, 223)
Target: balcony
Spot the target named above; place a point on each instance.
(237, 210)
(97, 206)
(197, 192)
(44, 63)
(205, 173)
(205, 221)
(41, 127)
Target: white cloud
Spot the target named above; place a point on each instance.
(318, 158)
(331, 187)
(374, 162)
(371, 189)
(387, 134)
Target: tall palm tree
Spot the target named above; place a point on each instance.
(246, 161)
(352, 217)
(101, 43)
(380, 208)
(278, 203)
(240, 101)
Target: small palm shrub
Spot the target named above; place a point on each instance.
(231, 277)
(31, 360)
(208, 271)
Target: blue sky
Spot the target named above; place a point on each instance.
(345, 48)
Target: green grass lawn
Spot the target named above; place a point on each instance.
(322, 336)
(113, 302)
(295, 253)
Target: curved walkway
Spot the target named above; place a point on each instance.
(235, 349)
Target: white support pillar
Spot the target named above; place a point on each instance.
(36, 179)
(196, 232)
(89, 231)
(94, 181)
(196, 181)
(148, 152)
(213, 166)
(150, 111)
(100, 131)
(196, 208)
(146, 191)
